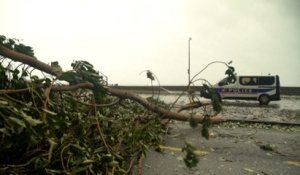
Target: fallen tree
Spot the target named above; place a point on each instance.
(122, 94)
(164, 113)
(85, 126)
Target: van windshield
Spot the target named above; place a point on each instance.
(223, 82)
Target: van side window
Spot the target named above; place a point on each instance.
(248, 81)
(266, 80)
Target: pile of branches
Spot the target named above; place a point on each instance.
(82, 126)
(46, 127)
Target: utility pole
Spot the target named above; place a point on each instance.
(189, 60)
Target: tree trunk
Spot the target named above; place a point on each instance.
(31, 61)
(164, 113)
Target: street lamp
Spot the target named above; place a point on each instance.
(189, 60)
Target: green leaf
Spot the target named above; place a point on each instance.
(51, 171)
(16, 124)
(3, 102)
(191, 159)
(30, 120)
(87, 64)
(49, 112)
(78, 170)
(27, 50)
(71, 77)
(88, 161)
(11, 41)
(216, 103)
(150, 75)
(229, 71)
(267, 147)
(5, 131)
(56, 68)
(2, 39)
(206, 123)
(193, 122)
(205, 132)
(231, 76)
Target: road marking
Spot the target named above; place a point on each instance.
(295, 163)
(170, 148)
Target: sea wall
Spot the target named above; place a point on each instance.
(167, 89)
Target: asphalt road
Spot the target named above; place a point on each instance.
(229, 151)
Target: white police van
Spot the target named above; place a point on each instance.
(250, 87)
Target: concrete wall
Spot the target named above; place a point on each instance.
(284, 90)
(290, 90)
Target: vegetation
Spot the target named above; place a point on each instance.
(81, 128)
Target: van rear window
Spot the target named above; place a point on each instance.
(266, 80)
(252, 81)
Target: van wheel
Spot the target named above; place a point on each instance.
(264, 100)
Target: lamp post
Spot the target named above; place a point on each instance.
(189, 60)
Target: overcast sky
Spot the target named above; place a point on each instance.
(122, 38)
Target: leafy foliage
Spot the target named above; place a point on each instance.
(150, 75)
(191, 159)
(208, 92)
(55, 132)
(231, 75)
(15, 45)
(65, 132)
(157, 102)
(216, 102)
(193, 123)
(206, 123)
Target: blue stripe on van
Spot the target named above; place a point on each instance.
(242, 90)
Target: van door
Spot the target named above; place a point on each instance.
(225, 89)
(248, 86)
